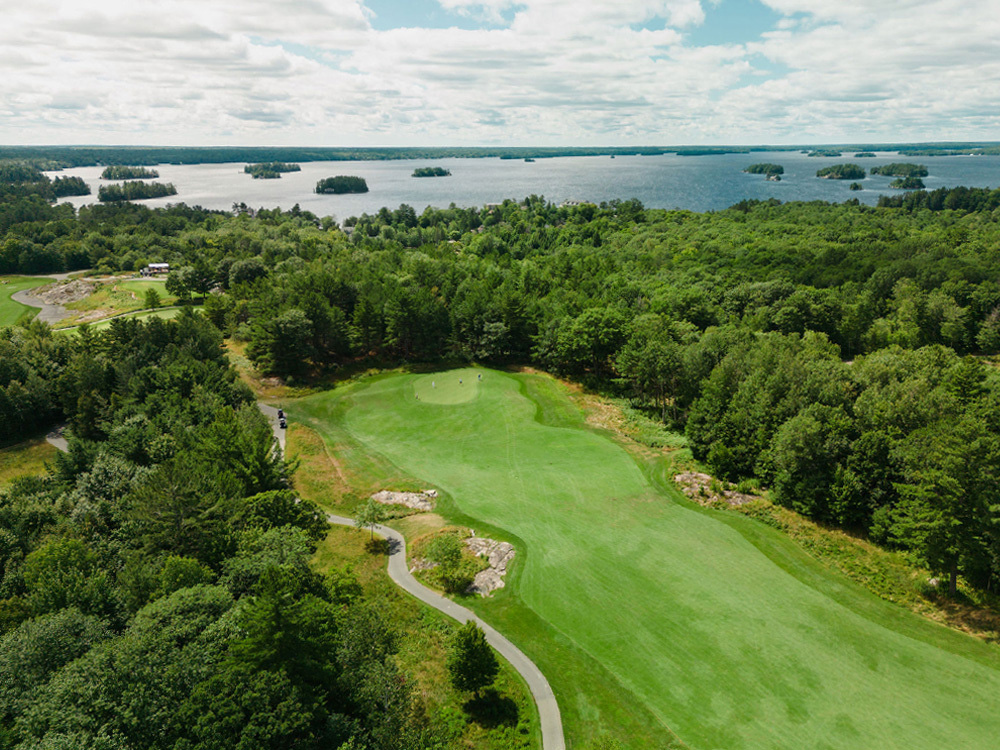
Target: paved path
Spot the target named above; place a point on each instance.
(48, 313)
(548, 709)
(55, 438)
(271, 413)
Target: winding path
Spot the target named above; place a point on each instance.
(548, 709)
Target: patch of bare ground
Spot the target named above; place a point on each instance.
(423, 500)
(63, 293)
(706, 490)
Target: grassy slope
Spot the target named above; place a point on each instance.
(24, 458)
(10, 310)
(100, 325)
(727, 632)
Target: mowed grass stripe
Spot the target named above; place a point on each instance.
(730, 647)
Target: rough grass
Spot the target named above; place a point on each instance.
(424, 636)
(114, 297)
(646, 611)
(11, 311)
(25, 458)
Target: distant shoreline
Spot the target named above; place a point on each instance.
(88, 156)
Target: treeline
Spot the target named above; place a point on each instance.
(55, 157)
(900, 169)
(127, 172)
(134, 190)
(155, 584)
(841, 172)
(26, 180)
(342, 184)
(270, 170)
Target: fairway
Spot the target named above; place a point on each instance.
(10, 310)
(100, 325)
(727, 632)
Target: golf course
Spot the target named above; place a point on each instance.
(715, 626)
(10, 309)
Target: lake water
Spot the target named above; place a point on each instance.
(699, 183)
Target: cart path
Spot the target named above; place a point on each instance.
(271, 412)
(48, 313)
(548, 709)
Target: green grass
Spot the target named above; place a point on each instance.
(11, 311)
(646, 611)
(100, 325)
(25, 458)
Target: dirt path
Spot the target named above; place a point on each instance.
(548, 709)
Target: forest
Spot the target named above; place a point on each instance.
(342, 184)
(134, 190)
(126, 172)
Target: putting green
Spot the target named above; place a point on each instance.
(728, 633)
(454, 387)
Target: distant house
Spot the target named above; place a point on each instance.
(156, 269)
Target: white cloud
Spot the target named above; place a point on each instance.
(590, 71)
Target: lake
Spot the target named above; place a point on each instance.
(698, 183)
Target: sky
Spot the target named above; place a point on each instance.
(498, 72)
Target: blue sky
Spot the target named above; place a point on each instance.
(524, 72)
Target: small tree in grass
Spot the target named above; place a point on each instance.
(472, 664)
(370, 515)
(152, 299)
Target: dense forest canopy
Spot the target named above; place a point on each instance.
(342, 184)
(841, 172)
(270, 170)
(134, 190)
(128, 172)
(900, 169)
(765, 168)
(431, 172)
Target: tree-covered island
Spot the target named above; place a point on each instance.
(134, 191)
(865, 155)
(773, 172)
(342, 184)
(907, 183)
(431, 172)
(125, 172)
(900, 169)
(270, 170)
(841, 172)
(825, 152)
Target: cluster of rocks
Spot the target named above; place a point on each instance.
(706, 490)
(63, 294)
(498, 555)
(423, 500)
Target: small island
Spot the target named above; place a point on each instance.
(431, 172)
(532, 161)
(856, 186)
(64, 186)
(841, 172)
(270, 170)
(825, 152)
(907, 183)
(133, 191)
(772, 171)
(124, 172)
(342, 184)
(900, 169)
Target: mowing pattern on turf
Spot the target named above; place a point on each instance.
(729, 633)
